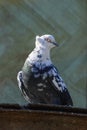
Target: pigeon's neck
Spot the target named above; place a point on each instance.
(43, 53)
(40, 55)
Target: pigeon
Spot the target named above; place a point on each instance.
(39, 80)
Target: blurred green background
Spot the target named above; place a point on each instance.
(21, 21)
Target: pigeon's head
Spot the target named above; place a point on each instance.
(46, 41)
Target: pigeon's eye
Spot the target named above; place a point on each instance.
(48, 40)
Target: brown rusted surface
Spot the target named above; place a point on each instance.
(41, 117)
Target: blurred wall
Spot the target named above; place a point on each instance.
(21, 21)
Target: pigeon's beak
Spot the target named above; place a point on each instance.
(56, 44)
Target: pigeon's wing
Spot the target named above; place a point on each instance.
(57, 82)
(19, 79)
(22, 86)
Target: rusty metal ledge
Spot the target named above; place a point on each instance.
(42, 117)
(45, 108)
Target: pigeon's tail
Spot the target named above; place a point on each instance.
(66, 98)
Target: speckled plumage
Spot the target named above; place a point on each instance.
(39, 79)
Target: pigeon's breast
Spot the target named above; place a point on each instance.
(41, 70)
(37, 69)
